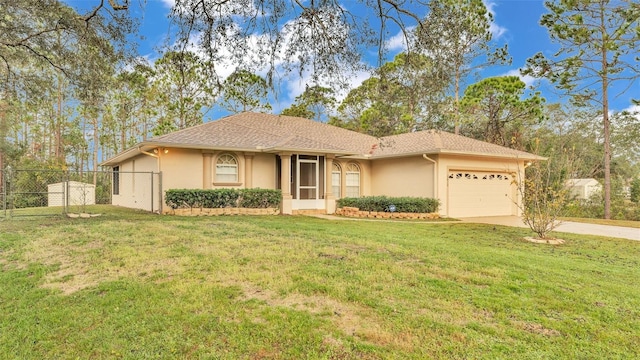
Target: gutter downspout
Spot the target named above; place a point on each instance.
(435, 174)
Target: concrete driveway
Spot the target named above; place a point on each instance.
(565, 226)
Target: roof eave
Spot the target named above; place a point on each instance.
(523, 156)
(147, 146)
(127, 154)
(519, 156)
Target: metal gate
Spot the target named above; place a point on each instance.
(42, 192)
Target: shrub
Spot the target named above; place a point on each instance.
(621, 208)
(222, 198)
(635, 190)
(259, 198)
(593, 208)
(383, 203)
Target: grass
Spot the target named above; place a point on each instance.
(625, 223)
(135, 286)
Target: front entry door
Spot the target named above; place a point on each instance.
(308, 192)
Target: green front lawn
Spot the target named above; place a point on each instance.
(138, 286)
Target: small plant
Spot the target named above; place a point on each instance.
(544, 191)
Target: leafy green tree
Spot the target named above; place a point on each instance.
(456, 34)
(133, 106)
(402, 96)
(635, 190)
(573, 128)
(316, 102)
(245, 91)
(185, 88)
(598, 47)
(49, 33)
(48, 52)
(625, 132)
(299, 110)
(498, 111)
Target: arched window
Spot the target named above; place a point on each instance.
(336, 180)
(352, 179)
(227, 169)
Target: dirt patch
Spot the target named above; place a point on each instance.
(545, 241)
(537, 329)
(350, 319)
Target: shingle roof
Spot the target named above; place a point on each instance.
(265, 132)
(435, 141)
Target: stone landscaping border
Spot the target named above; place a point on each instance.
(355, 212)
(224, 211)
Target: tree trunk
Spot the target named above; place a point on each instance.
(95, 148)
(456, 125)
(3, 139)
(607, 150)
(82, 151)
(59, 150)
(605, 120)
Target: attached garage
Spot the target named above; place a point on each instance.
(480, 193)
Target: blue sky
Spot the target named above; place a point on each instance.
(516, 22)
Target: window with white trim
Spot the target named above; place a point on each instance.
(352, 180)
(227, 169)
(336, 180)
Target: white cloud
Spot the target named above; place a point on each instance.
(526, 79)
(168, 3)
(398, 42)
(296, 86)
(496, 30)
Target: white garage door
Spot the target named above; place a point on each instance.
(476, 193)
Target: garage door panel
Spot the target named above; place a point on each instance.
(473, 193)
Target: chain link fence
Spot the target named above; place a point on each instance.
(29, 192)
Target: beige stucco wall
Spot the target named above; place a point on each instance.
(181, 169)
(139, 188)
(449, 163)
(410, 176)
(264, 171)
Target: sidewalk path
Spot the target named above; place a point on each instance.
(565, 226)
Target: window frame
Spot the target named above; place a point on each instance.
(336, 169)
(218, 165)
(349, 171)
